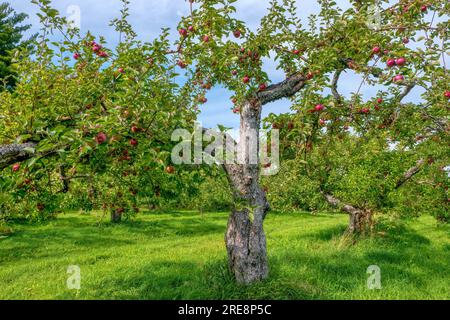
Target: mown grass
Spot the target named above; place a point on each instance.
(181, 255)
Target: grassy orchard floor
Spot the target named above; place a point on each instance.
(181, 255)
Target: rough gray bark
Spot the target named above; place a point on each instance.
(410, 173)
(284, 89)
(12, 153)
(245, 239)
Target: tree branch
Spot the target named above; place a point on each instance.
(334, 83)
(284, 89)
(10, 154)
(410, 173)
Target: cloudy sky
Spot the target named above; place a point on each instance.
(149, 16)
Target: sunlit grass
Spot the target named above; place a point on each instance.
(181, 255)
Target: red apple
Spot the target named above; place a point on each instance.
(181, 64)
(121, 70)
(134, 142)
(405, 40)
(390, 63)
(400, 61)
(322, 122)
(76, 56)
(101, 138)
(319, 107)
(379, 100)
(96, 47)
(447, 94)
(202, 99)
(262, 87)
(183, 32)
(423, 8)
(309, 76)
(246, 79)
(16, 167)
(191, 29)
(296, 52)
(135, 129)
(103, 54)
(365, 110)
(376, 50)
(237, 33)
(234, 72)
(206, 39)
(398, 78)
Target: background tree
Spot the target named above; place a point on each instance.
(11, 34)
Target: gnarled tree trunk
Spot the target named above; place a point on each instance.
(245, 239)
(360, 220)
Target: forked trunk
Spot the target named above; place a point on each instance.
(245, 238)
(360, 222)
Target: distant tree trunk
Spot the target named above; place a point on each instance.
(360, 221)
(245, 239)
(116, 215)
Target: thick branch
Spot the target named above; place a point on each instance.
(284, 89)
(410, 173)
(334, 84)
(337, 203)
(10, 154)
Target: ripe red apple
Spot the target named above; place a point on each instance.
(206, 39)
(237, 33)
(376, 50)
(398, 78)
(121, 70)
(447, 94)
(262, 87)
(103, 54)
(234, 100)
(423, 8)
(322, 122)
(96, 47)
(377, 107)
(309, 76)
(236, 110)
(16, 167)
(191, 29)
(400, 61)
(386, 51)
(181, 64)
(135, 129)
(365, 110)
(379, 100)
(76, 56)
(101, 138)
(405, 40)
(202, 99)
(234, 72)
(390, 63)
(183, 32)
(134, 142)
(296, 52)
(246, 79)
(319, 107)
(170, 169)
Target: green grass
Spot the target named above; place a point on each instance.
(181, 255)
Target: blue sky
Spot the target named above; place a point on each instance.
(149, 16)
